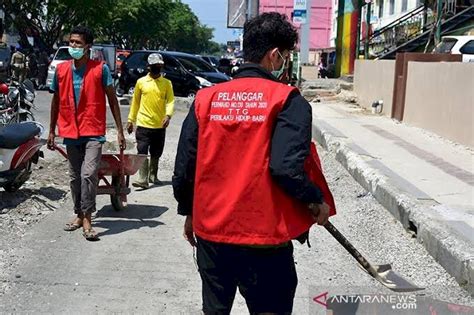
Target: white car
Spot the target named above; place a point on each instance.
(104, 53)
(457, 45)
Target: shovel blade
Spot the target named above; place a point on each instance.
(393, 281)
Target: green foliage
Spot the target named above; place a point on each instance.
(132, 24)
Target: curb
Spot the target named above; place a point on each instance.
(455, 254)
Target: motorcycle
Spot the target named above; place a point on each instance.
(16, 102)
(20, 145)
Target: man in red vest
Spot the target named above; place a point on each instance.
(239, 177)
(78, 109)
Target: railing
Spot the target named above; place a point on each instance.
(399, 31)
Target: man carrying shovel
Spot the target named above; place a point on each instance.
(244, 189)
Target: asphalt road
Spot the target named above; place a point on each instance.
(143, 265)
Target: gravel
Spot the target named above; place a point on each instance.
(378, 236)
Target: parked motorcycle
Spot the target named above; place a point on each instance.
(16, 102)
(20, 145)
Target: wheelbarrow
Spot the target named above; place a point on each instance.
(119, 167)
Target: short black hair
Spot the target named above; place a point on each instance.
(267, 31)
(85, 32)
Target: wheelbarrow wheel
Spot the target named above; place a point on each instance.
(118, 201)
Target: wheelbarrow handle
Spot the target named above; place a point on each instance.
(60, 150)
(350, 248)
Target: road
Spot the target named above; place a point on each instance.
(143, 265)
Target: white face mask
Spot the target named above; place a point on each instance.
(277, 73)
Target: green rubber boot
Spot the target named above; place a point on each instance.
(153, 176)
(142, 181)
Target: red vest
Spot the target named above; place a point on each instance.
(89, 119)
(236, 199)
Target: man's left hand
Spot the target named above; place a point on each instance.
(121, 141)
(166, 121)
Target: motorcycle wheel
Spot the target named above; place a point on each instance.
(14, 186)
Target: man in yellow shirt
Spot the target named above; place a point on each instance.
(151, 111)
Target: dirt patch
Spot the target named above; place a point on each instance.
(42, 194)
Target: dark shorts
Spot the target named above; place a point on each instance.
(150, 141)
(266, 277)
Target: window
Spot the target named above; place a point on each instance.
(468, 48)
(404, 5)
(445, 46)
(381, 8)
(194, 64)
(62, 54)
(392, 7)
(137, 60)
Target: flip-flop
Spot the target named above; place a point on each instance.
(72, 227)
(90, 235)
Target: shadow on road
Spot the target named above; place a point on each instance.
(41, 195)
(134, 218)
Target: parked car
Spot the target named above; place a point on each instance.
(101, 52)
(457, 45)
(186, 72)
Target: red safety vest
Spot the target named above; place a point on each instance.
(89, 119)
(236, 199)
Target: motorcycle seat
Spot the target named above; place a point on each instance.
(14, 135)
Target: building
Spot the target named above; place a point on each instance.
(385, 12)
(320, 19)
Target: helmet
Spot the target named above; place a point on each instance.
(3, 88)
(155, 58)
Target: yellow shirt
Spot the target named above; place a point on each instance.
(153, 99)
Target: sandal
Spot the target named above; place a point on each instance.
(72, 226)
(90, 235)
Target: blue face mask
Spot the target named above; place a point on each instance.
(76, 53)
(277, 73)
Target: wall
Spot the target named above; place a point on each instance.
(440, 98)
(373, 80)
(320, 18)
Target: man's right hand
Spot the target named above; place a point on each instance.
(320, 212)
(50, 143)
(188, 232)
(129, 127)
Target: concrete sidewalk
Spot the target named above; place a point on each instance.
(425, 181)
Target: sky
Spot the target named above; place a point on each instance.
(213, 13)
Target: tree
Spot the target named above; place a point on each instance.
(48, 20)
(133, 24)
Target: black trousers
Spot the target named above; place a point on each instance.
(150, 141)
(266, 277)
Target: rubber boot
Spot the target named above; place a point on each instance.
(142, 181)
(153, 176)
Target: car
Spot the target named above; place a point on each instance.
(186, 72)
(5, 54)
(462, 45)
(99, 52)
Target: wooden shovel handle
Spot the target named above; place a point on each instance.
(351, 249)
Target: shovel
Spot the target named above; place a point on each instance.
(382, 273)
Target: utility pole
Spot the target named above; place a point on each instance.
(367, 30)
(305, 34)
(439, 17)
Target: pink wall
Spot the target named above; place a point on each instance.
(321, 18)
